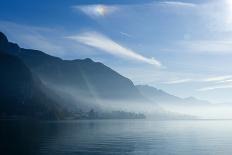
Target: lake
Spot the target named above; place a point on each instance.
(106, 137)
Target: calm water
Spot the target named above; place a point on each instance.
(116, 137)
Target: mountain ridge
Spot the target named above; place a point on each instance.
(163, 97)
(79, 84)
(83, 84)
(21, 93)
(77, 74)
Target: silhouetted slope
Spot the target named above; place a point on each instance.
(21, 93)
(37, 84)
(83, 77)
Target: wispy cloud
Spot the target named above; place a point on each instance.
(217, 15)
(99, 41)
(126, 34)
(212, 79)
(178, 4)
(217, 78)
(48, 40)
(101, 10)
(216, 87)
(225, 81)
(97, 10)
(178, 81)
(31, 36)
(208, 46)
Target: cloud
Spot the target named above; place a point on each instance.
(48, 40)
(215, 87)
(126, 34)
(98, 10)
(215, 14)
(215, 79)
(178, 81)
(101, 10)
(31, 36)
(99, 41)
(225, 81)
(178, 4)
(218, 15)
(218, 78)
(206, 46)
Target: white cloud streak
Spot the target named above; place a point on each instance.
(225, 81)
(178, 81)
(208, 46)
(48, 40)
(99, 41)
(178, 4)
(218, 78)
(126, 34)
(97, 10)
(216, 87)
(214, 79)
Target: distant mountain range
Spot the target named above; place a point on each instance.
(163, 98)
(33, 83)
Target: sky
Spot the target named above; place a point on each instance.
(183, 47)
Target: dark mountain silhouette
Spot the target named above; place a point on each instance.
(83, 78)
(163, 98)
(35, 83)
(21, 92)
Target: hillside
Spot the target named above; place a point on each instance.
(21, 93)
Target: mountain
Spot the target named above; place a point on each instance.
(76, 84)
(163, 98)
(21, 92)
(83, 77)
(157, 95)
(45, 85)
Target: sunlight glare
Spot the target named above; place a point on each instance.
(101, 10)
(229, 7)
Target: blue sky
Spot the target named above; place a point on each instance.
(183, 47)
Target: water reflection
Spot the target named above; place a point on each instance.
(116, 137)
